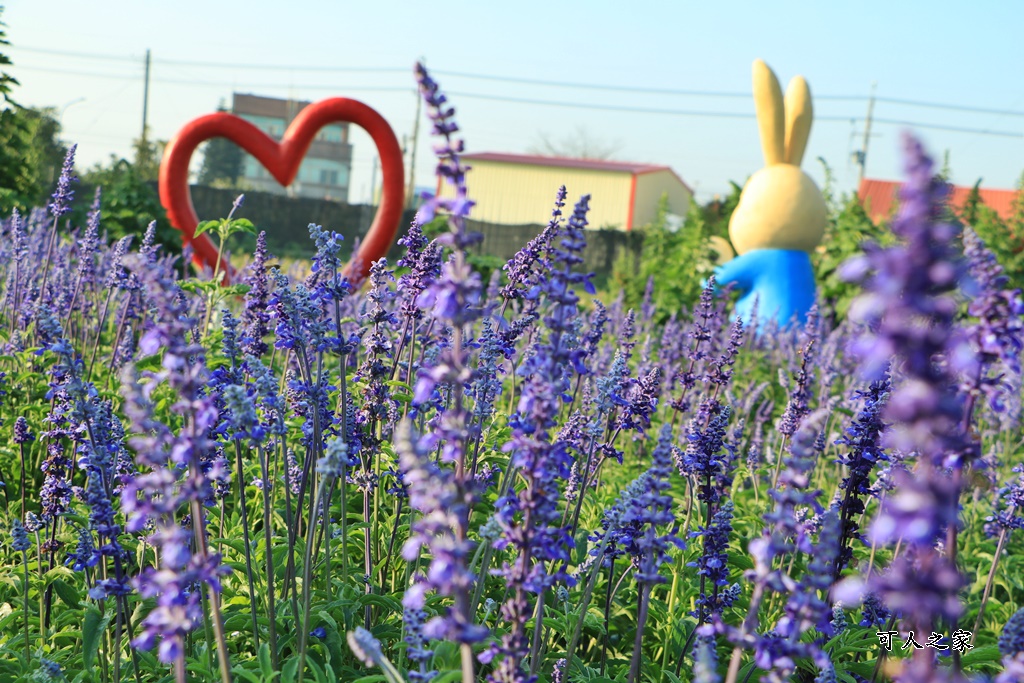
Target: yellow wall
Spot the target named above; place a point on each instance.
(649, 189)
(521, 193)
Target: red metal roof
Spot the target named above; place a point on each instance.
(562, 162)
(880, 198)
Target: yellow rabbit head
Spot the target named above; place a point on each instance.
(780, 206)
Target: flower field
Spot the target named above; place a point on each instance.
(435, 478)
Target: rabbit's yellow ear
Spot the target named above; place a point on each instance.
(770, 121)
(799, 114)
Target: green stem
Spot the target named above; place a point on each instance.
(28, 653)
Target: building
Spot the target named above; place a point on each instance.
(326, 169)
(516, 189)
(881, 197)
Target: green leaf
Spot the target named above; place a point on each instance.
(149, 362)
(266, 665)
(68, 594)
(980, 655)
(236, 290)
(242, 225)
(248, 675)
(206, 226)
(92, 629)
(449, 676)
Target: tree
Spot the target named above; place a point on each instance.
(129, 203)
(19, 180)
(677, 261)
(147, 157)
(579, 145)
(47, 152)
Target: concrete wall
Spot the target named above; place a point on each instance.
(286, 221)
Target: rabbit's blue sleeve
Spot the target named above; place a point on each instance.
(781, 281)
(740, 271)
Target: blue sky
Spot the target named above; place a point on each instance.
(966, 54)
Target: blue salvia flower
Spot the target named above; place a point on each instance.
(49, 671)
(839, 622)
(713, 564)
(488, 385)
(910, 313)
(150, 247)
(800, 390)
(788, 532)
(530, 519)
(22, 433)
(157, 495)
(423, 259)
(255, 314)
(1008, 512)
(703, 459)
(335, 459)
(705, 660)
(241, 419)
(378, 407)
(521, 269)
(449, 165)
(864, 441)
(85, 554)
(433, 492)
(641, 402)
(417, 649)
(325, 273)
(614, 538)
(653, 509)
(805, 608)
(19, 538)
(997, 334)
(720, 373)
(62, 197)
(773, 652)
(873, 612)
(1011, 640)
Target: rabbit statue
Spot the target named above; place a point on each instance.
(781, 214)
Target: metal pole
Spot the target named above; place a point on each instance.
(145, 98)
(867, 135)
(409, 191)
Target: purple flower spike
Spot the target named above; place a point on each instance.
(64, 194)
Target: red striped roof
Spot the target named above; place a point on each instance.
(563, 162)
(881, 196)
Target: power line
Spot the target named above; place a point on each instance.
(216, 65)
(217, 84)
(728, 114)
(525, 81)
(953, 107)
(555, 103)
(628, 88)
(953, 129)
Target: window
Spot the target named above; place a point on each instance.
(328, 177)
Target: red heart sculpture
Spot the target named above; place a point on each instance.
(282, 160)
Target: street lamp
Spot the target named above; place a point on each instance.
(63, 109)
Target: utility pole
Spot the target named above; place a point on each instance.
(409, 191)
(863, 156)
(145, 99)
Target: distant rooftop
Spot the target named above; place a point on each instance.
(257, 105)
(880, 198)
(562, 162)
